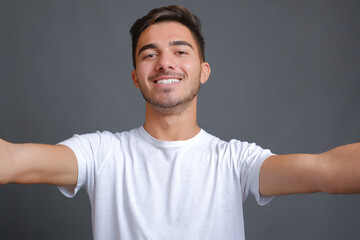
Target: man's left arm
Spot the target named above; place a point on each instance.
(334, 171)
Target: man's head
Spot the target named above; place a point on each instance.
(171, 13)
(169, 67)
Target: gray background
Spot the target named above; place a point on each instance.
(285, 74)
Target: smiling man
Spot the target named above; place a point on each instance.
(170, 179)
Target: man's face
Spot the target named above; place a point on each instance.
(169, 70)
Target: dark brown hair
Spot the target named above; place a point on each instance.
(171, 13)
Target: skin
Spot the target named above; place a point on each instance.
(31, 163)
(168, 50)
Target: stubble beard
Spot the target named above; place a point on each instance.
(171, 106)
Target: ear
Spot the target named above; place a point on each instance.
(135, 78)
(205, 72)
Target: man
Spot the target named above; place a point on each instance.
(169, 178)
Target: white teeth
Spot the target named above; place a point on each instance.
(167, 81)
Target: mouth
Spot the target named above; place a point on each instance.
(166, 78)
(167, 81)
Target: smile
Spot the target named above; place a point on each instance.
(167, 81)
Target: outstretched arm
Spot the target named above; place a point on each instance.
(37, 163)
(335, 171)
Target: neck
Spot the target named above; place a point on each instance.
(171, 124)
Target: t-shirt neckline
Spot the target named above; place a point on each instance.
(160, 143)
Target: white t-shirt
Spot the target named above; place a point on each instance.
(143, 188)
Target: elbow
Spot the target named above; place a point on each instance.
(329, 185)
(334, 181)
(339, 170)
(326, 180)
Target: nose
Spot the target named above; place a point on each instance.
(164, 62)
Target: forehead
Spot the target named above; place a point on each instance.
(165, 32)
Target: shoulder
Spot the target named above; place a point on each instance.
(103, 135)
(234, 147)
(99, 139)
(231, 144)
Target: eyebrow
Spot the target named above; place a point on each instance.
(173, 43)
(178, 43)
(145, 47)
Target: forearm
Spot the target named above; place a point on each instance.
(335, 171)
(340, 169)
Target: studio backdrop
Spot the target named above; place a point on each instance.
(285, 75)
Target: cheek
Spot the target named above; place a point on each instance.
(191, 68)
(187, 63)
(142, 71)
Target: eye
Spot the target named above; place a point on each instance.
(150, 55)
(181, 52)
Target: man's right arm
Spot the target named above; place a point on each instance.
(31, 163)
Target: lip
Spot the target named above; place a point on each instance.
(166, 78)
(166, 75)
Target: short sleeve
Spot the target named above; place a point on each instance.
(250, 158)
(90, 151)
